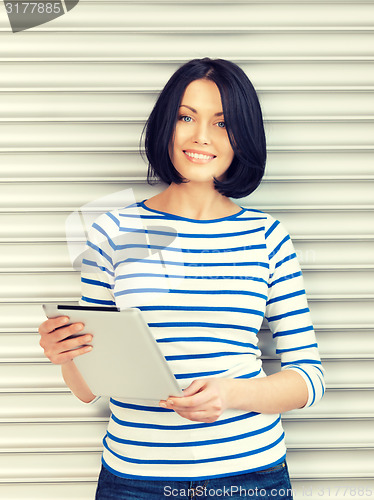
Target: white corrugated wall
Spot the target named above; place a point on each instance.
(74, 94)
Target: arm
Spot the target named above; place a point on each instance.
(277, 393)
(206, 399)
(300, 382)
(97, 285)
(61, 351)
(76, 383)
(288, 314)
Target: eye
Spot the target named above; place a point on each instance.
(221, 124)
(185, 118)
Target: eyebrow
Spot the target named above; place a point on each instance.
(194, 110)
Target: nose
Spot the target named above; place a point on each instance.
(202, 135)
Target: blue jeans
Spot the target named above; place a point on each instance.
(269, 484)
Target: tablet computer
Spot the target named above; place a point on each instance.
(125, 361)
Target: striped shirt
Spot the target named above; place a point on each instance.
(204, 287)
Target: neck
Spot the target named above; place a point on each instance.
(194, 201)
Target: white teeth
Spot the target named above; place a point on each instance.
(199, 156)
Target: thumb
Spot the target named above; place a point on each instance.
(194, 387)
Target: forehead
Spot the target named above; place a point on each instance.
(202, 94)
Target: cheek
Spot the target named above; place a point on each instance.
(229, 152)
(172, 144)
(223, 141)
(181, 134)
(171, 149)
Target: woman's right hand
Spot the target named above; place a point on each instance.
(57, 347)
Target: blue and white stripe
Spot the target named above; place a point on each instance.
(205, 288)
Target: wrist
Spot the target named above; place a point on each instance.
(277, 393)
(235, 393)
(68, 364)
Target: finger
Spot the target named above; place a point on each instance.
(195, 388)
(189, 402)
(51, 324)
(67, 356)
(69, 344)
(63, 333)
(56, 336)
(198, 416)
(181, 401)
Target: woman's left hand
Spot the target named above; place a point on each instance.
(202, 401)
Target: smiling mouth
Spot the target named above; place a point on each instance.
(199, 156)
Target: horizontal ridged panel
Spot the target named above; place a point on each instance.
(34, 285)
(342, 463)
(82, 490)
(44, 465)
(42, 375)
(66, 435)
(145, 46)
(340, 403)
(130, 164)
(339, 221)
(329, 433)
(23, 345)
(113, 75)
(338, 373)
(334, 343)
(28, 406)
(62, 435)
(327, 312)
(27, 376)
(74, 95)
(312, 193)
(173, 15)
(32, 225)
(55, 255)
(128, 105)
(43, 406)
(58, 134)
(27, 311)
(98, 164)
(319, 163)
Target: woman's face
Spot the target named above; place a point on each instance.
(200, 148)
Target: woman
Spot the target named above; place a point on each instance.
(223, 269)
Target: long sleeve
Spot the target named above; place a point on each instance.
(288, 314)
(205, 304)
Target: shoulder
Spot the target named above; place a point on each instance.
(275, 233)
(119, 217)
(264, 219)
(107, 228)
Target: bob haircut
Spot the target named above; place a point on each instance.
(242, 116)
